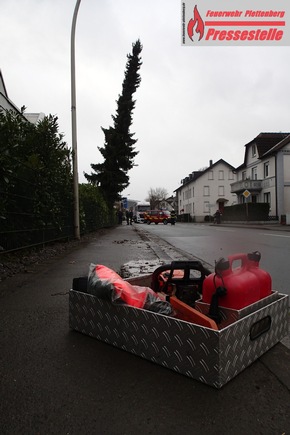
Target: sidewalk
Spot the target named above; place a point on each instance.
(56, 381)
(265, 226)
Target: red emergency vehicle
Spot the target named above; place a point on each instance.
(157, 216)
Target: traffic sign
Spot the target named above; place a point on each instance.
(125, 202)
(246, 193)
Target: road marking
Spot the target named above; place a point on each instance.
(275, 235)
(226, 231)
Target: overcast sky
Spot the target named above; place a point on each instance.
(194, 104)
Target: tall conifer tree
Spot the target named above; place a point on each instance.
(119, 151)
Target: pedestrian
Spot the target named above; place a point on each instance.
(127, 217)
(172, 217)
(131, 216)
(120, 217)
(217, 217)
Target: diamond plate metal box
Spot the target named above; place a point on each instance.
(229, 315)
(212, 357)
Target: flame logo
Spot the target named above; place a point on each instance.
(196, 21)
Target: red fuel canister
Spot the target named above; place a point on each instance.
(264, 277)
(241, 284)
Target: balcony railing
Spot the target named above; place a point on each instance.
(250, 185)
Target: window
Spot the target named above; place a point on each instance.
(244, 175)
(266, 169)
(188, 208)
(221, 175)
(205, 190)
(206, 207)
(254, 173)
(193, 192)
(231, 175)
(267, 197)
(187, 194)
(210, 175)
(254, 151)
(221, 191)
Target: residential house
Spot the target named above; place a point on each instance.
(166, 203)
(205, 191)
(7, 104)
(171, 203)
(265, 173)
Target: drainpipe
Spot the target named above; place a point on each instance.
(279, 163)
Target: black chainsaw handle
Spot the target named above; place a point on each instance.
(187, 266)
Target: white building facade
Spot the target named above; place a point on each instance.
(205, 191)
(265, 173)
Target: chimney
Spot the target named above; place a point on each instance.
(210, 163)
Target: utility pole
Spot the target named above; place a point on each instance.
(74, 126)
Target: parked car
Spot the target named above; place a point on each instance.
(156, 217)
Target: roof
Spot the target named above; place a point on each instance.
(278, 146)
(7, 104)
(34, 117)
(196, 174)
(266, 141)
(2, 85)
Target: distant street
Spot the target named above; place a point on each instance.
(211, 242)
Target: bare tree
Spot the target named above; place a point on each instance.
(156, 196)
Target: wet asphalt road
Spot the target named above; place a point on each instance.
(211, 242)
(57, 381)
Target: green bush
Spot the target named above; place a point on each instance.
(94, 212)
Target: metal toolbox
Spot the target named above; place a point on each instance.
(229, 316)
(213, 357)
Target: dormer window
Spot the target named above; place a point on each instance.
(254, 151)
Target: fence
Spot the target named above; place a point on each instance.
(20, 239)
(31, 213)
(21, 228)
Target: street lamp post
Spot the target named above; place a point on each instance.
(74, 126)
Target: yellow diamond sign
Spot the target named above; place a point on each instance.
(246, 193)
